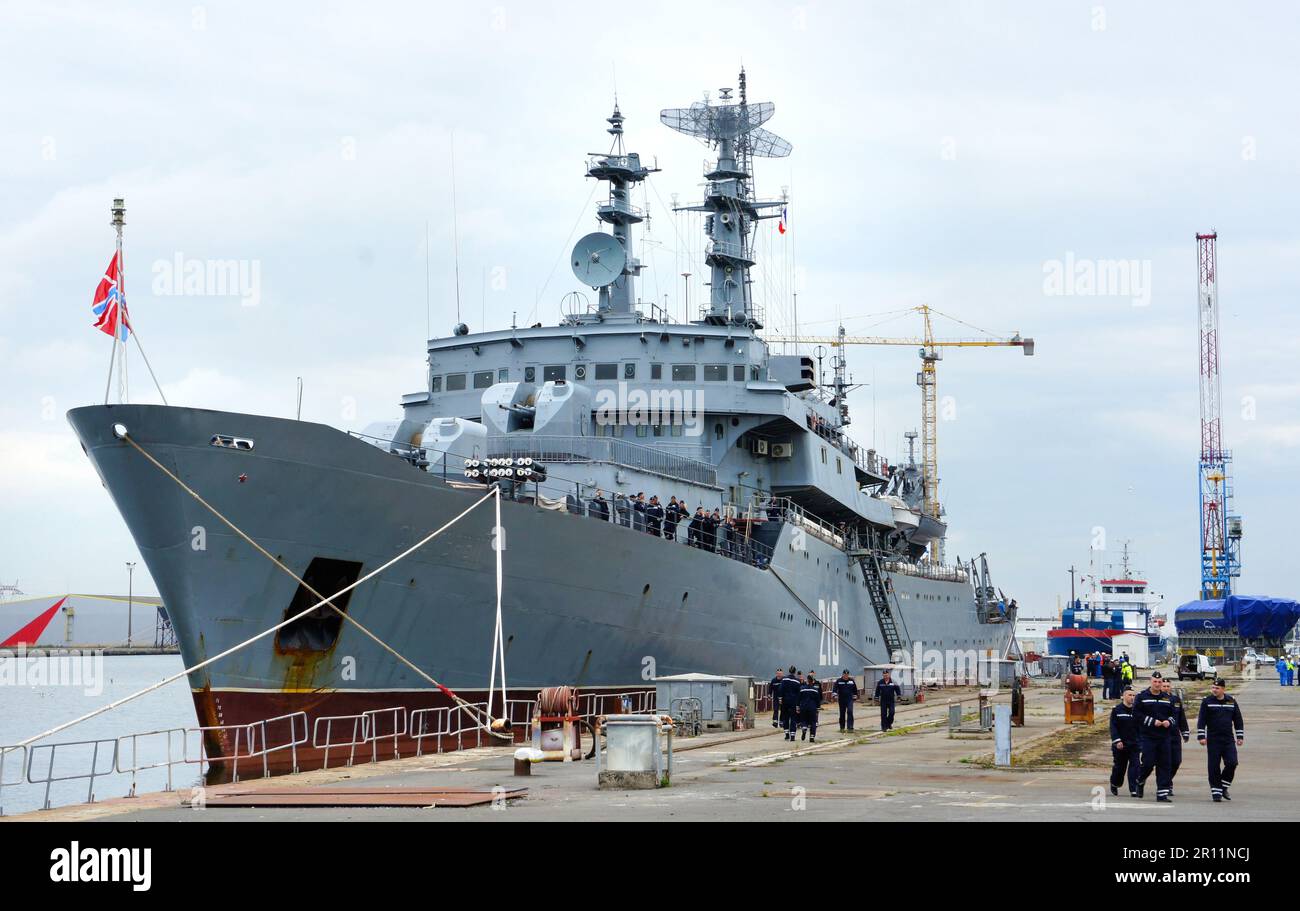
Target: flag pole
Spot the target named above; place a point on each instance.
(119, 220)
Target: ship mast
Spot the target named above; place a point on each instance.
(733, 128)
(623, 171)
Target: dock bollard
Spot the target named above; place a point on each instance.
(524, 759)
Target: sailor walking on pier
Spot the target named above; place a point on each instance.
(1220, 729)
(774, 690)
(1179, 736)
(1125, 761)
(1154, 712)
(790, 687)
(846, 692)
(886, 692)
(810, 705)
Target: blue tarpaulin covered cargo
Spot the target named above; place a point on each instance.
(1253, 617)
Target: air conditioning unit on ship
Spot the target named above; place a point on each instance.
(759, 447)
(782, 450)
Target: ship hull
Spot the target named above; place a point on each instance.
(584, 603)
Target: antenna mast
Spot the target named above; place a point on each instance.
(734, 130)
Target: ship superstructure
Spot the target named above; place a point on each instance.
(1111, 607)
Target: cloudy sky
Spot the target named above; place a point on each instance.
(953, 154)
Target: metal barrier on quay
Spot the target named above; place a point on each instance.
(251, 741)
(257, 740)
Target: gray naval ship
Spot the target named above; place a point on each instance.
(823, 558)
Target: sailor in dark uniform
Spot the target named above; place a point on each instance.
(695, 530)
(846, 691)
(1154, 713)
(790, 688)
(638, 511)
(710, 531)
(599, 507)
(654, 517)
(1220, 729)
(1180, 735)
(810, 704)
(1124, 745)
(672, 515)
(774, 690)
(886, 692)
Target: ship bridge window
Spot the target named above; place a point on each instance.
(715, 373)
(683, 373)
(656, 371)
(319, 630)
(435, 384)
(503, 375)
(455, 382)
(607, 371)
(482, 379)
(551, 374)
(738, 373)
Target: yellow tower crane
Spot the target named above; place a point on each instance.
(928, 347)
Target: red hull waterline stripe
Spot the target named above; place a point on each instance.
(1086, 632)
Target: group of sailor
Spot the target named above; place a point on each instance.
(706, 530)
(797, 701)
(1148, 730)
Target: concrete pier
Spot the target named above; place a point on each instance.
(915, 772)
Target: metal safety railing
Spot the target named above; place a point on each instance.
(630, 702)
(362, 729)
(247, 741)
(165, 749)
(46, 765)
(51, 750)
(783, 509)
(444, 723)
(7, 760)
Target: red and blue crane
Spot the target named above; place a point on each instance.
(1220, 529)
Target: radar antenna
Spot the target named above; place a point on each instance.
(605, 261)
(734, 129)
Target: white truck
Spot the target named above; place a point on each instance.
(1196, 667)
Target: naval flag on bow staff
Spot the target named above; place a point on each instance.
(109, 305)
(111, 316)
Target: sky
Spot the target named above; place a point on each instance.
(980, 158)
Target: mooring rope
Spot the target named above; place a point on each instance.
(772, 568)
(472, 709)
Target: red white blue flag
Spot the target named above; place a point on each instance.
(109, 306)
(780, 225)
